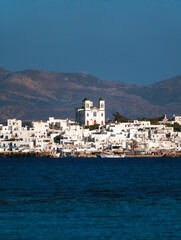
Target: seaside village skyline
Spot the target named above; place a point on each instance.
(91, 135)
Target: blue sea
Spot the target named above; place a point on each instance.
(131, 198)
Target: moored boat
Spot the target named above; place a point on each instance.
(111, 155)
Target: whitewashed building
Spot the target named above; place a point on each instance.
(90, 115)
(177, 119)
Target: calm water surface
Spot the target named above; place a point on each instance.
(90, 199)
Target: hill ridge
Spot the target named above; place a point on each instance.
(34, 93)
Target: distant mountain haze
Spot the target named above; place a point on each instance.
(34, 94)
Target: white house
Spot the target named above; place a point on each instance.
(90, 115)
(14, 123)
(177, 119)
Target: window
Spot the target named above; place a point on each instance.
(102, 105)
(94, 114)
(87, 115)
(102, 114)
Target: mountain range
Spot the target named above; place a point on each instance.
(34, 94)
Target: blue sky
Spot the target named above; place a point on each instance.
(134, 41)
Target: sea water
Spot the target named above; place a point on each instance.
(131, 198)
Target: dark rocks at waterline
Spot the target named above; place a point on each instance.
(27, 155)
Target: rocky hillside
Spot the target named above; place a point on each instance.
(35, 94)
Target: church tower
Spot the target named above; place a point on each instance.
(102, 111)
(87, 104)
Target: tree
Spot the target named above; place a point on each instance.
(176, 126)
(154, 121)
(93, 127)
(134, 144)
(120, 118)
(57, 139)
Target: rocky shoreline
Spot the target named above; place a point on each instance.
(27, 155)
(81, 155)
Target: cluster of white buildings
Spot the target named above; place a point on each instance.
(66, 136)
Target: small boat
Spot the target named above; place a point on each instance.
(111, 155)
(123, 155)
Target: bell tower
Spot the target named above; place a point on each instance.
(87, 104)
(102, 111)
